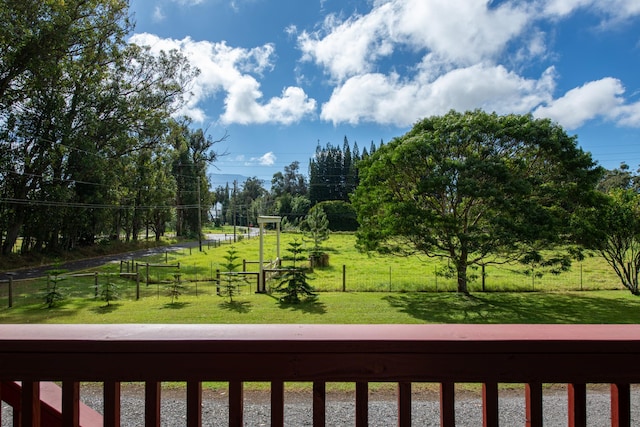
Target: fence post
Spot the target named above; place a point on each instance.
(10, 290)
(95, 283)
(218, 282)
(344, 278)
(580, 276)
(137, 285)
(147, 274)
(195, 272)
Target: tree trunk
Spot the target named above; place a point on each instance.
(13, 230)
(461, 270)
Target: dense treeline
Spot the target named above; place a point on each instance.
(87, 145)
(89, 149)
(333, 177)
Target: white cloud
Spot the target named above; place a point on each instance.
(158, 14)
(461, 32)
(267, 159)
(629, 115)
(601, 98)
(225, 69)
(464, 46)
(614, 10)
(391, 100)
(188, 2)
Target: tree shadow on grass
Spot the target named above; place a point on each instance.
(517, 307)
(105, 309)
(40, 313)
(237, 306)
(176, 305)
(309, 305)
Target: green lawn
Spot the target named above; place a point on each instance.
(337, 307)
(366, 272)
(381, 289)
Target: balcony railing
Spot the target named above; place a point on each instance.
(403, 354)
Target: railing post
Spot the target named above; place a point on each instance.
(533, 403)
(236, 404)
(620, 405)
(277, 403)
(577, 405)
(362, 404)
(70, 404)
(194, 403)
(152, 404)
(319, 403)
(30, 410)
(404, 404)
(111, 403)
(490, 404)
(447, 405)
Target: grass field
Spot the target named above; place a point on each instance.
(380, 289)
(350, 307)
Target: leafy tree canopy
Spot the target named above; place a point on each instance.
(473, 188)
(612, 228)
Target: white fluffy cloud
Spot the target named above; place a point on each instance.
(473, 56)
(468, 54)
(267, 159)
(600, 98)
(461, 32)
(392, 100)
(597, 99)
(613, 9)
(233, 71)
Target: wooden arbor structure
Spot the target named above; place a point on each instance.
(262, 220)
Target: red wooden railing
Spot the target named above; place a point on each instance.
(403, 354)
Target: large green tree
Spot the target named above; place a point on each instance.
(78, 104)
(473, 188)
(333, 173)
(612, 228)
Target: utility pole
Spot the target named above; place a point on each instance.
(199, 218)
(235, 200)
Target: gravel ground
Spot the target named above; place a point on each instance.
(340, 409)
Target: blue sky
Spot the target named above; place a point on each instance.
(282, 75)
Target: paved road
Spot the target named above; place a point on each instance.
(84, 264)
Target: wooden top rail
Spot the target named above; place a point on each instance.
(413, 353)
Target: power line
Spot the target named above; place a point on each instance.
(50, 203)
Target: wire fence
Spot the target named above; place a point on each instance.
(147, 280)
(388, 278)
